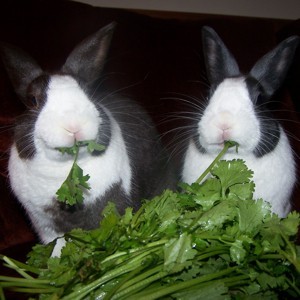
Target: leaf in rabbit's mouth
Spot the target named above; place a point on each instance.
(72, 189)
(91, 147)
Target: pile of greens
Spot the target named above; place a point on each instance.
(211, 240)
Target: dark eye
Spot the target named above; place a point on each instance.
(259, 99)
(33, 102)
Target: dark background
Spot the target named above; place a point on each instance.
(155, 58)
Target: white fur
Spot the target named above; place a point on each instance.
(230, 116)
(67, 114)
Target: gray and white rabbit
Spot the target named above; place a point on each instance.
(236, 110)
(64, 107)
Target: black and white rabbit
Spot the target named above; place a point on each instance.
(64, 107)
(236, 110)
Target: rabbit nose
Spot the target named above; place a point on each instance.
(77, 134)
(224, 121)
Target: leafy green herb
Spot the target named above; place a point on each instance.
(72, 189)
(210, 241)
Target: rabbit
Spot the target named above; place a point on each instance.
(65, 106)
(236, 110)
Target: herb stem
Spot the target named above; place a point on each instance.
(22, 281)
(18, 264)
(227, 145)
(146, 262)
(145, 282)
(2, 296)
(136, 262)
(297, 290)
(138, 282)
(160, 292)
(12, 265)
(135, 250)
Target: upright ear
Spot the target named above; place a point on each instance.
(86, 61)
(20, 67)
(219, 62)
(270, 71)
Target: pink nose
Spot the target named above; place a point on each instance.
(75, 131)
(226, 134)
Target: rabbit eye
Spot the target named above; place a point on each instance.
(33, 102)
(259, 98)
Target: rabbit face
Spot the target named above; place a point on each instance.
(67, 115)
(229, 116)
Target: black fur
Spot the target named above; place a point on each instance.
(270, 130)
(86, 216)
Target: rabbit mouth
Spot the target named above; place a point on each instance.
(221, 144)
(75, 135)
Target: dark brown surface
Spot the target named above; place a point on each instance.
(154, 58)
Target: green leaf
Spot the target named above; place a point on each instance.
(93, 146)
(71, 191)
(238, 252)
(39, 254)
(69, 150)
(208, 193)
(290, 224)
(108, 225)
(217, 215)
(243, 191)
(178, 253)
(252, 215)
(231, 173)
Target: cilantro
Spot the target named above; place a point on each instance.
(212, 240)
(72, 189)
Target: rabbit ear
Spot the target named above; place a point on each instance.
(218, 60)
(21, 68)
(271, 69)
(87, 59)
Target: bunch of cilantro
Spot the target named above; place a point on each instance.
(211, 240)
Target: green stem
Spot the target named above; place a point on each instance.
(23, 280)
(159, 274)
(227, 145)
(292, 285)
(145, 282)
(2, 296)
(270, 256)
(163, 291)
(138, 281)
(293, 257)
(136, 250)
(25, 284)
(146, 263)
(12, 265)
(48, 290)
(74, 162)
(235, 280)
(21, 265)
(113, 274)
